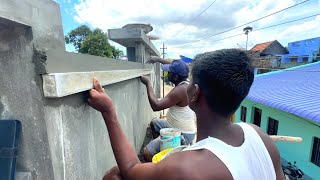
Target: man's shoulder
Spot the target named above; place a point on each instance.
(269, 144)
(179, 91)
(264, 136)
(201, 164)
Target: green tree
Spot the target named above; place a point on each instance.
(91, 42)
(96, 43)
(116, 53)
(77, 36)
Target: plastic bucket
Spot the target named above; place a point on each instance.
(170, 138)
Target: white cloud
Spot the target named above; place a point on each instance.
(168, 17)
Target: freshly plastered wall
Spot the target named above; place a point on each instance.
(46, 89)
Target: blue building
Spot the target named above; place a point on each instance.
(287, 102)
(302, 51)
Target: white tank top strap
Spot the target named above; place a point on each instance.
(184, 82)
(251, 160)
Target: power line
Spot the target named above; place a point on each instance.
(287, 22)
(193, 19)
(292, 56)
(247, 23)
(188, 45)
(290, 70)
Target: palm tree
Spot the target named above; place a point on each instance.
(246, 32)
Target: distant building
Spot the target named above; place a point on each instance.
(268, 48)
(303, 51)
(287, 102)
(266, 55)
(123, 58)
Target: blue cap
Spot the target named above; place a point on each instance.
(177, 67)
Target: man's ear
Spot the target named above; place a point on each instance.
(175, 77)
(195, 93)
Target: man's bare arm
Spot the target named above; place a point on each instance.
(154, 59)
(171, 99)
(127, 160)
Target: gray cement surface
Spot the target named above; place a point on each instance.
(62, 138)
(21, 98)
(42, 15)
(78, 135)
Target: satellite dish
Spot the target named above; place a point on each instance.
(146, 27)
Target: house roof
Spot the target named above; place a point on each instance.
(295, 90)
(261, 47)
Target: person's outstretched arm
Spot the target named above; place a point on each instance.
(155, 59)
(171, 99)
(127, 160)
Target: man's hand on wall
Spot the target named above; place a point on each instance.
(145, 80)
(98, 99)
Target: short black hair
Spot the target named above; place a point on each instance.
(224, 77)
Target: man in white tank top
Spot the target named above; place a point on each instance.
(179, 114)
(220, 81)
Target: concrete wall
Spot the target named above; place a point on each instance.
(42, 15)
(62, 138)
(289, 125)
(21, 99)
(80, 147)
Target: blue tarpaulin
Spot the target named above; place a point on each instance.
(185, 59)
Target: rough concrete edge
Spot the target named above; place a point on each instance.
(54, 85)
(49, 85)
(150, 45)
(13, 20)
(40, 60)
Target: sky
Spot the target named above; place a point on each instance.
(176, 24)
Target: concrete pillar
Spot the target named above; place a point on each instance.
(139, 46)
(131, 54)
(140, 52)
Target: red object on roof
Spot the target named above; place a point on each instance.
(261, 47)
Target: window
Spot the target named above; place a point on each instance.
(294, 59)
(243, 113)
(273, 127)
(305, 59)
(315, 158)
(257, 116)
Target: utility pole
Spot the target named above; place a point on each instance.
(246, 32)
(163, 56)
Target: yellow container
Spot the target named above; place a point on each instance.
(157, 157)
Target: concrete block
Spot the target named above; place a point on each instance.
(44, 17)
(57, 61)
(63, 84)
(128, 38)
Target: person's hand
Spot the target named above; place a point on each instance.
(144, 79)
(153, 59)
(113, 174)
(98, 99)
